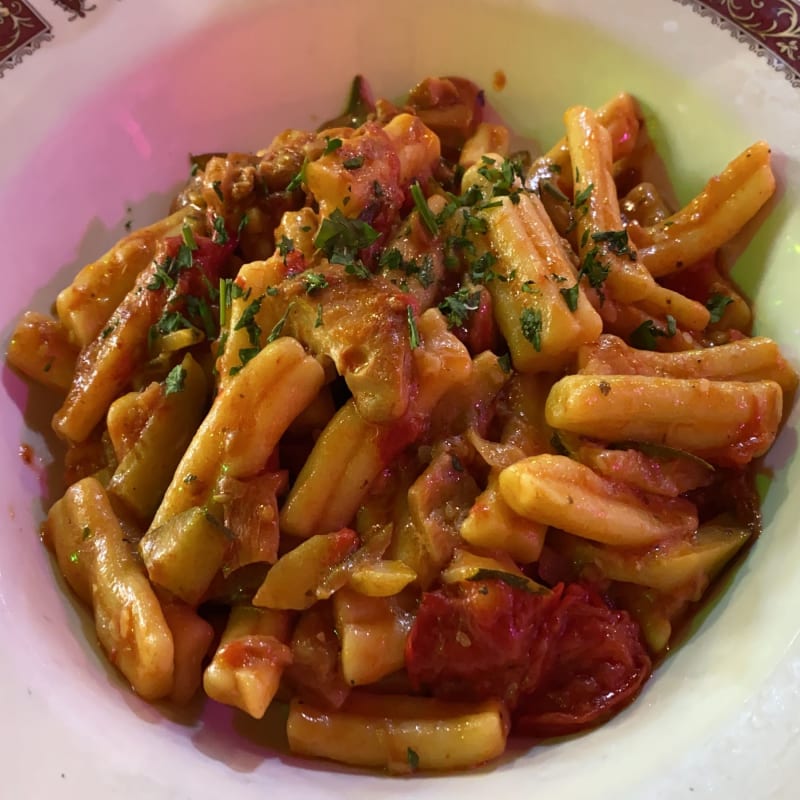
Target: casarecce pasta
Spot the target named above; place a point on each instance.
(433, 442)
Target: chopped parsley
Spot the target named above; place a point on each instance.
(172, 321)
(187, 234)
(413, 333)
(285, 246)
(298, 179)
(190, 478)
(392, 259)
(531, 322)
(594, 270)
(86, 532)
(341, 239)
(175, 380)
(412, 758)
(198, 308)
(225, 296)
(245, 354)
(108, 330)
(616, 241)
(278, 327)
(425, 213)
(242, 224)
(354, 162)
(318, 320)
(716, 304)
(248, 321)
(647, 334)
(167, 271)
(480, 270)
(458, 306)
(570, 296)
(504, 362)
(314, 281)
(456, 462)
(582, 198)
(502, 178)
(73, 557)
(473, 223)
(220, 235)
(331, 145)
(217, 187)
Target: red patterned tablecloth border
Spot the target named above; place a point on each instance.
(22, 30)
(770, 28)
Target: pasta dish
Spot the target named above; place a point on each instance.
(433, 440)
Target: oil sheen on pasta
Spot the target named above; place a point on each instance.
(434, 441)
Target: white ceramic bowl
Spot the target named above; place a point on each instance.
(96, 125)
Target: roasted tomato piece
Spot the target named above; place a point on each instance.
(563, 661)
(474, 640)
(595, 666)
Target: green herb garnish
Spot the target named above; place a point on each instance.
(531, 323)
(413, 333)
(175, 380)
(425, 213)
(458, 306)
(331, 145)
(341, 239)
(314, 281)
(716, 304)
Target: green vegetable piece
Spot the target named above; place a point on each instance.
(185, 553)
(142, 476)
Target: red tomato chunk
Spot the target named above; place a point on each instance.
(562, 662)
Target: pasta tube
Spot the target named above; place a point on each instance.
(381, 578)
(85, 306)
(756, 359)
(688, 314)
(95, 559)
(293, 580)
(542, 326)
(488, 138)
(185, 553)
(558, 491)
(246, 421)
(40, 348)
(721, 210)
(604, 246)
(145, 471)
(192, 637)
(351, 452)
(469, 566)
(493, 524)
(400, 733)
(105, 365)
(723, 421)
(247, 667)
(437, 503)
(620, 116)
(693, 561)
(373, 633)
